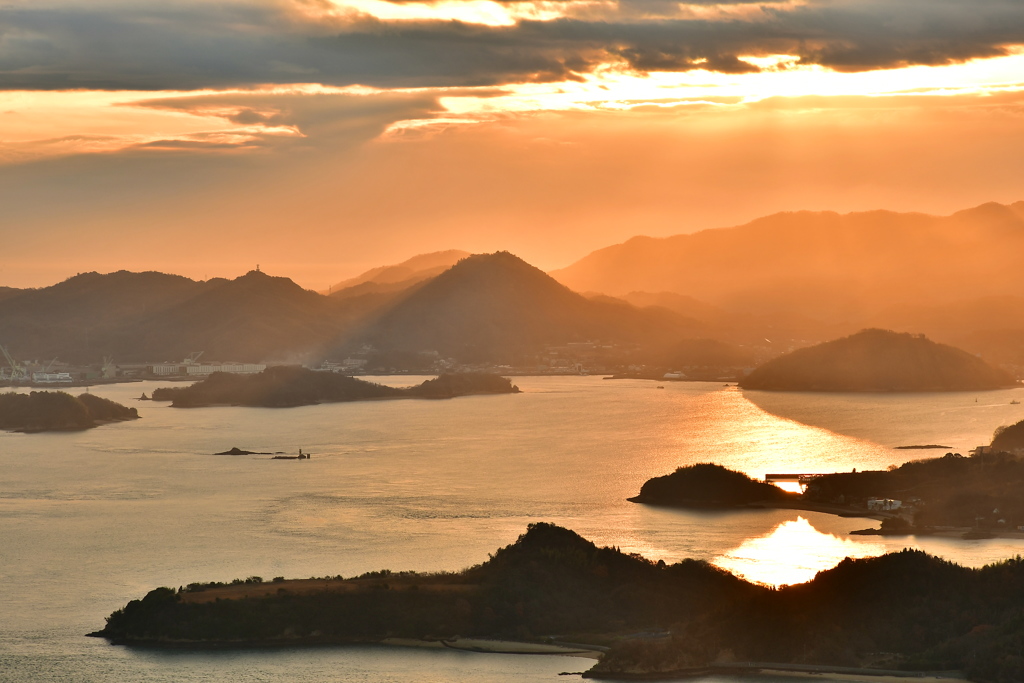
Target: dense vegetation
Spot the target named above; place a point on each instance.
(286, 386)
(877, 360)
(708, 485)
(904, 610)
(41, 411)
(1009, 438)
(980, 491)
(550, 581)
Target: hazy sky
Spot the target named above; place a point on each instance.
(319, 138)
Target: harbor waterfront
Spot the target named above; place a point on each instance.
(94, 519)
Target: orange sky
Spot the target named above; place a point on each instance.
(322, 138)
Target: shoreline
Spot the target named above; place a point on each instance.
(827, 508)
(476, 645)
(764, 669)
(956, 533)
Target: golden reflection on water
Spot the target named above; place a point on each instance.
(727, 428)
(793, 552)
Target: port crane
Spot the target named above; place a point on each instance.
(17, 372)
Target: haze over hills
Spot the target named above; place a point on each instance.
(877, 360)
(825, 265)
(485, 308)
(497, 305)
(153, 316)
(778, 283)
(399, 276)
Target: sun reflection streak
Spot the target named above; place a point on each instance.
(793, 552)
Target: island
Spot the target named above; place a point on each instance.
(878, 360)
(46, 411)
(707, 485)
(900, 613)
(287, 386)
(235, 450)
(952, 495)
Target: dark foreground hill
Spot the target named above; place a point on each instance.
(497, 306)
(905, 610)
(43, 411)
(1009, 438)
(877, 360)
(289, 386)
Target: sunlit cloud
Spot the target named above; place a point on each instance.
(483, 12)
(57, 123)
(617, 88)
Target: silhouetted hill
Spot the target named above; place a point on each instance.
(1009, 438)
(83, 317)
(828, 266)
(487, 307)
(401, 275)
(991, 326)
(707, 485)
(495, 306)
(153, 316)
(877, 360)
(251, 318)
(904, 610)
(43, 411)
(286, 386)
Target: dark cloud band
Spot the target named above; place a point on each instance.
(190, 46)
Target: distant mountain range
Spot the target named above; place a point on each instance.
(153, 316)
(489, 307)
(399, 276)
(809, 276)
(778, 283)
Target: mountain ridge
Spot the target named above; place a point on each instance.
(825, 264)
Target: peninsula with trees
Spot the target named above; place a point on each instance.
(977, 495)
(878, 360)
(288, 386)
(47, 411)
(902, 612)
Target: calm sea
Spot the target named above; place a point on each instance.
(93, 519)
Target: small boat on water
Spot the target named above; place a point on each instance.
(1014, 402)
(300, 456)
